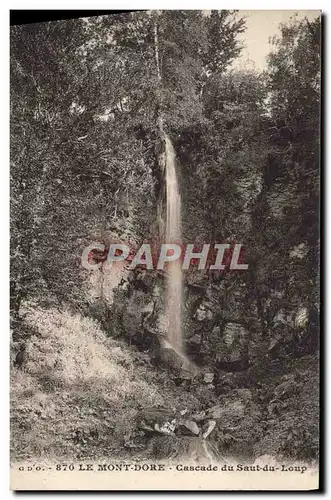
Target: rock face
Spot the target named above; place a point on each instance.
(213, 312)
(234, 343)
(137, 308)
(138, 305)
(210, 338)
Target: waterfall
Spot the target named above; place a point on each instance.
(173, 235)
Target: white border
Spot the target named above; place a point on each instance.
(4, 190)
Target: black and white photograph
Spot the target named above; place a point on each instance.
(165, 250)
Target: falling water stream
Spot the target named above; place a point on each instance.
(173, 235)
(197, 448)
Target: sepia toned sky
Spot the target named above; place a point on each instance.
(262, 24)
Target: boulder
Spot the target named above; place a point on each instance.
(208, 428)
(208, 378)
(188, 428)
(156, 420)
(203, 313)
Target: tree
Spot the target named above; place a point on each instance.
(287, 213)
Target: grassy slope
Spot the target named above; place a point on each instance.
(79, 390)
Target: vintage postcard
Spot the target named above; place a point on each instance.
(164, 281)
